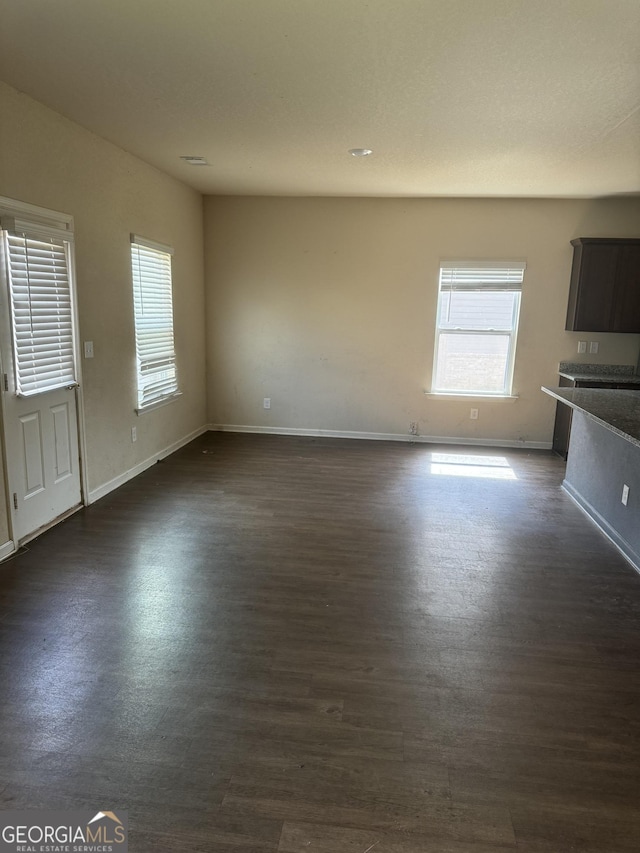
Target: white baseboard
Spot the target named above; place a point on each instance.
(121, 479)
(7, 549)
(383, 436)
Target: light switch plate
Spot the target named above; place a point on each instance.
(88, 349)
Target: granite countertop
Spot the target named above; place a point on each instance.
(581, 372)
(616, 410)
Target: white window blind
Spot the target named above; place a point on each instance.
(41, 311)
(478, 311)
(473, 275)
(153, 309)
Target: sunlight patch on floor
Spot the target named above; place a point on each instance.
(466, 465)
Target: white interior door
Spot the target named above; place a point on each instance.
(37, 347)
(43, 463)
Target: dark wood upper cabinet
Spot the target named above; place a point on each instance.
(604, 295)
(627, 317)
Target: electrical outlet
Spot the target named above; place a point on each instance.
(582, 346)
(413, 427)
(266, 403)
(474, 414)
(134, 433)
(625, 494)
(593, 347)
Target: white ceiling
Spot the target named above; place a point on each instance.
(455, 97)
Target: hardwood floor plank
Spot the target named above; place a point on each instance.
(319, 738)
(177, 829)
(568, 826)
(345, 780)
(437, 820)
(323, 838)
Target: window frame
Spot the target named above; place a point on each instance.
(157, 287)
(480, 277)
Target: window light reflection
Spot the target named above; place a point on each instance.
(465, 465)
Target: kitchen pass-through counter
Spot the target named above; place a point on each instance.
(620, 375)
(603, 462)
(584, 375)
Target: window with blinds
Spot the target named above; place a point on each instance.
(153, 311)
(477, 324)
(41, 308)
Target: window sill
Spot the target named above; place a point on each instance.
(158, 405)
(471, 395)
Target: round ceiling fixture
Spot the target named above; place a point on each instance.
(194, 160)
(360, 152)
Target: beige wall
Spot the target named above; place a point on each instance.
(49, 161)
(327, 306)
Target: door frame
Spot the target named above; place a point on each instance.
(63, 222)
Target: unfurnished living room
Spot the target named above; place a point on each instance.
(320, 446)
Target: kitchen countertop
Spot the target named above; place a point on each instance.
(616, 410)
(619, 373)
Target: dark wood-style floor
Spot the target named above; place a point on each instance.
(292, 644)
